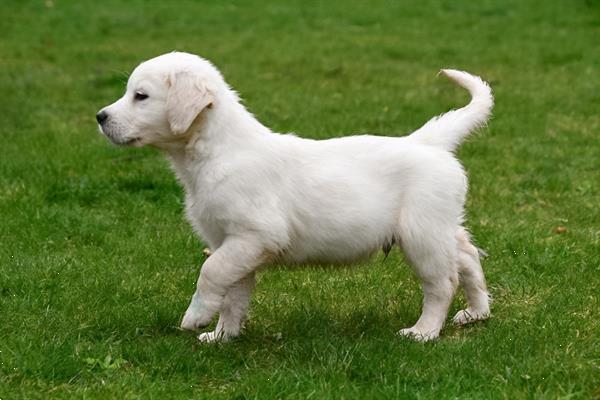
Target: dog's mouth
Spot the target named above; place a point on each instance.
(120, 140)
(134, 142)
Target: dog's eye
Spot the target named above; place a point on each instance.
(139, 96)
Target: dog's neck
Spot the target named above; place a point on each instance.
(224, 126)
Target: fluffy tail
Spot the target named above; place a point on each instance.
(449, 130)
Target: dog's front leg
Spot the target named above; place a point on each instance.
(233, 261)
(233, 311)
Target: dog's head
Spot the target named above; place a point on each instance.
(164, 96)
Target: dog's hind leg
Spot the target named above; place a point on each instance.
(233, 311)
(432, 255)
(472, 280)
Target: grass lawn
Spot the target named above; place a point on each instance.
(97, 264)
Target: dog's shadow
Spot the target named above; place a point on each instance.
(298, 324)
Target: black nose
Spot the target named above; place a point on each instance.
(101, 117)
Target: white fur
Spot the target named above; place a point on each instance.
(257, 197)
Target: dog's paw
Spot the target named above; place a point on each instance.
(418, 335)
(193, 320)
(200, 312)
(468, 316)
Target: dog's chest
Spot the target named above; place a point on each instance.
(202, 208)
(203, 218)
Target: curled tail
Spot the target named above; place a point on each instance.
(448, 130)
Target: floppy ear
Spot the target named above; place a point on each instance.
(186, 98)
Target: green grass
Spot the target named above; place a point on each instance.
(97, 264)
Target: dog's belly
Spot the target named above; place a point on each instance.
(331, 253)
(342, 232)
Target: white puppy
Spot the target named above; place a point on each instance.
(259, 198)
